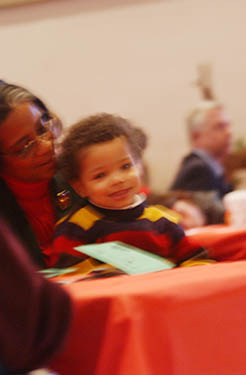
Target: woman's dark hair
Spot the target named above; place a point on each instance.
(95, 129)
(13, 95)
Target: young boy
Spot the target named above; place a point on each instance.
(101, 158)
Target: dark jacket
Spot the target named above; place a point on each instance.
(196, 175)
(15, 217)
(35, 313)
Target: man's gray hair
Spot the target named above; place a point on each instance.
(196, 117)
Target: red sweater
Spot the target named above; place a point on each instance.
(35, 200)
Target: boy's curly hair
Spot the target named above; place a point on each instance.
(95, 129)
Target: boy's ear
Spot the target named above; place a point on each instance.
(77, 186)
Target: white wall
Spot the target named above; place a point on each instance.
(136, 58)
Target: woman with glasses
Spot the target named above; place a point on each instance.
(32, 195)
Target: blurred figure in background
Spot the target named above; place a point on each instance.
(202, 170)
(194, 208)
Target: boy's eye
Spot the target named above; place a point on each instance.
(99, 175)
(126, 166)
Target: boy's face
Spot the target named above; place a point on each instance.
(109, 176)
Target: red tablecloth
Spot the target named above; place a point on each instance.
(187, 321)
(223, 242)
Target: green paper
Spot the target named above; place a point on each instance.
(127, 258)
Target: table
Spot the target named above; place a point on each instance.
(223, 242)
(186, 321)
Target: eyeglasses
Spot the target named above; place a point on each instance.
(47, 131)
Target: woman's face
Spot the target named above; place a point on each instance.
(19, 132)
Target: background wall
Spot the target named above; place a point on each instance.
(137, 58)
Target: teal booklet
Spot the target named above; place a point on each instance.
(125, 257)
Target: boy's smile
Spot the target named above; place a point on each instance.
(109, 175)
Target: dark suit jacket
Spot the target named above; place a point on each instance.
(196, 175)
(13, 214)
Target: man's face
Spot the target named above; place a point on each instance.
(215, 137)
(18, 130)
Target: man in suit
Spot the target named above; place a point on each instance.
(210, 135)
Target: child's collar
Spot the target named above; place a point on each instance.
(138, 199)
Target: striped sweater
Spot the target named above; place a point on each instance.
(145, 227)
